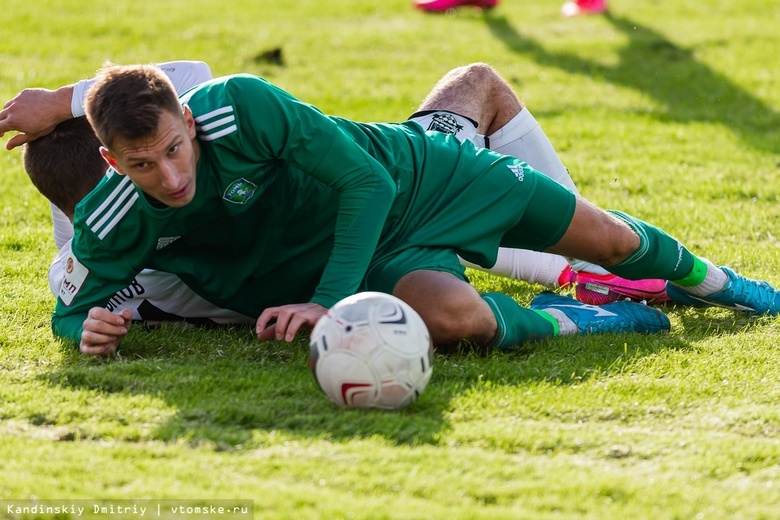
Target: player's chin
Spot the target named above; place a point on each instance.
(180, 198)
(178, 202)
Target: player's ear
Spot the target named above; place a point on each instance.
(189, 120)
(110, 159)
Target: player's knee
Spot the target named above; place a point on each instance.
(598, 236)
(480, 76)
(481, 70)
(456, 320)
(451, 308)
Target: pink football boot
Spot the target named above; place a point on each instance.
(440, 6)
(598, 289)
(574, 8)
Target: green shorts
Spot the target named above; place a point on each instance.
(467, 202)
(383, 275)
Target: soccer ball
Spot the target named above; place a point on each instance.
(371, 350)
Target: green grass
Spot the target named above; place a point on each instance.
(667, 110)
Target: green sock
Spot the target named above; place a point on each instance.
(658, 256)
(697, 274)
(516, 324)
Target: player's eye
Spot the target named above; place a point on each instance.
(173, 149)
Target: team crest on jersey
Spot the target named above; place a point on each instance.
(445, 123)
(240, 191)
(519, 170)
(75, 274)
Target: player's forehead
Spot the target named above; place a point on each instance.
(171, 131)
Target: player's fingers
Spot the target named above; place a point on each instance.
(104, 315)
(283, 321)
(267, 334)
(102, 350)
(17, 140)
(304, 320)
(97, 332)
(101, 336)
(297, 321)
(98, 344)
(5, 118)
(115, 325)
(127, 316)
(266, 317)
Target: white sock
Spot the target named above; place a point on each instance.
(522, 137)
(582, 265)
(565, 325)
(714, 281)
(523, 264)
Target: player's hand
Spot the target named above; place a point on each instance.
(103, 331)
(288, 320)
(34, 112)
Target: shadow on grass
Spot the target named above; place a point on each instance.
(652, 64)
(226, 388)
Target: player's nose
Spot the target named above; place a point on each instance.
(169, 175)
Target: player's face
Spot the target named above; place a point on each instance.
(163, 165)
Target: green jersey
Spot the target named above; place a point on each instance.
(290, 205)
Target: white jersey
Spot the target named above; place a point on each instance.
(154, 296)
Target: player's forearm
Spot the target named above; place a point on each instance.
(363, 211)
(59, 104)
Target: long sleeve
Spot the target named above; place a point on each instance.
(274, 127)
(183, 74)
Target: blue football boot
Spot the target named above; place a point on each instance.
(739, 293)
(620, 316)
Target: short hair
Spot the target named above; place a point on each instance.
(127, 101)
(65, 164)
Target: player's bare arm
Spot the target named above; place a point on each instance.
(103, 331)
(34, 112)
(284, 322)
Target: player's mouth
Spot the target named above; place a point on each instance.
(180, 193)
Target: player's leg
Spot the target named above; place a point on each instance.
(453, 310)
(532, 266)
(478, 92)
(432, 282)
(617, 242)
(633, 249)
(476, 97)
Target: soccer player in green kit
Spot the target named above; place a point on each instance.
(261, 202)
(66, 164)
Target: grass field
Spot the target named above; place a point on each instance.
(668, 110)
